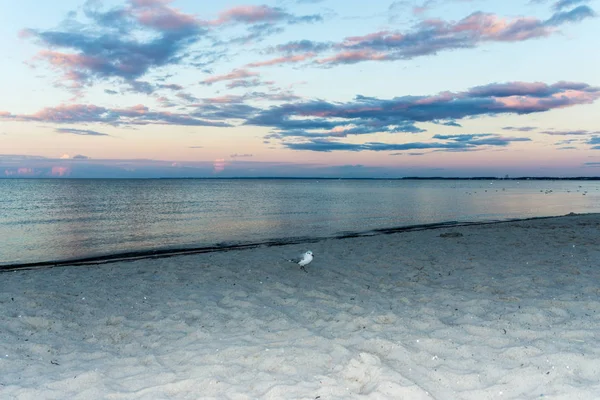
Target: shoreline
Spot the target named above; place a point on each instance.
(501, 310)
(173, 252)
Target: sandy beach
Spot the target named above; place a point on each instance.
(497, 311)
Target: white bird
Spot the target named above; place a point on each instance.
(304, 260)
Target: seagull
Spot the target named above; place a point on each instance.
(304, 260)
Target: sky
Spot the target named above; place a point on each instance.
(299, 88)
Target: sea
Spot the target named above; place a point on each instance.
(61, 220)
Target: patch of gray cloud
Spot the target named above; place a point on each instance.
(82, 132)
(85, 113)
(454, 143)
(366, 115)
(519, 128)
(579, 132)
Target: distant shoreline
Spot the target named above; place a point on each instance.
(232, 246)
(406, 178)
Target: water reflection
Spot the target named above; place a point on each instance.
(60, 219)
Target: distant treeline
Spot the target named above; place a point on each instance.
(521, 178)
(474, 178)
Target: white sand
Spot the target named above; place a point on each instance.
(506, 311)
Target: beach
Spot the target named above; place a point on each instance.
(506, 310)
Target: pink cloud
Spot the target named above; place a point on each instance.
(155, 15)
(219, 165)
(434, 35)
(246, 83)
(74, 65)
(418, 10)
(151, 34)
(351, 57)
(492, 27)
(558, 100)
(439, 98)
(65, 113)
(60, 171)
(164, 101)
(64, 60)
(225, 99)
(25, 34)
(235, 74)
(25, 171)
(138, 109)
(21, 171)
(283, 60)
(249, 15)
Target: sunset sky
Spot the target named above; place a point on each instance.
(348, 88)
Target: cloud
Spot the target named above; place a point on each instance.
(448, 123)
(449, 143)
(245, 83)
(300, 46)
(226, 99)
(261, 21)
(519, 128)
(256, 33)
(165, 102)
(365, 115)
(224, 110)
(594, 140)
(235, 74)
(235, 107)
(170, 86)
(236, 155)
(431, 36)
(580, 132)
(398, 8)
(575, 15)
(260, 14)
(136, 115)
(231, 98)
(484, 139)
(16, 166)
(187, 97)
(84, 132)
(559, 5)
(354, 56)
(273, 96)
(125, 42)
(142, 87)
(291, 59)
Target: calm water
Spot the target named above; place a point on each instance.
(43, 220)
